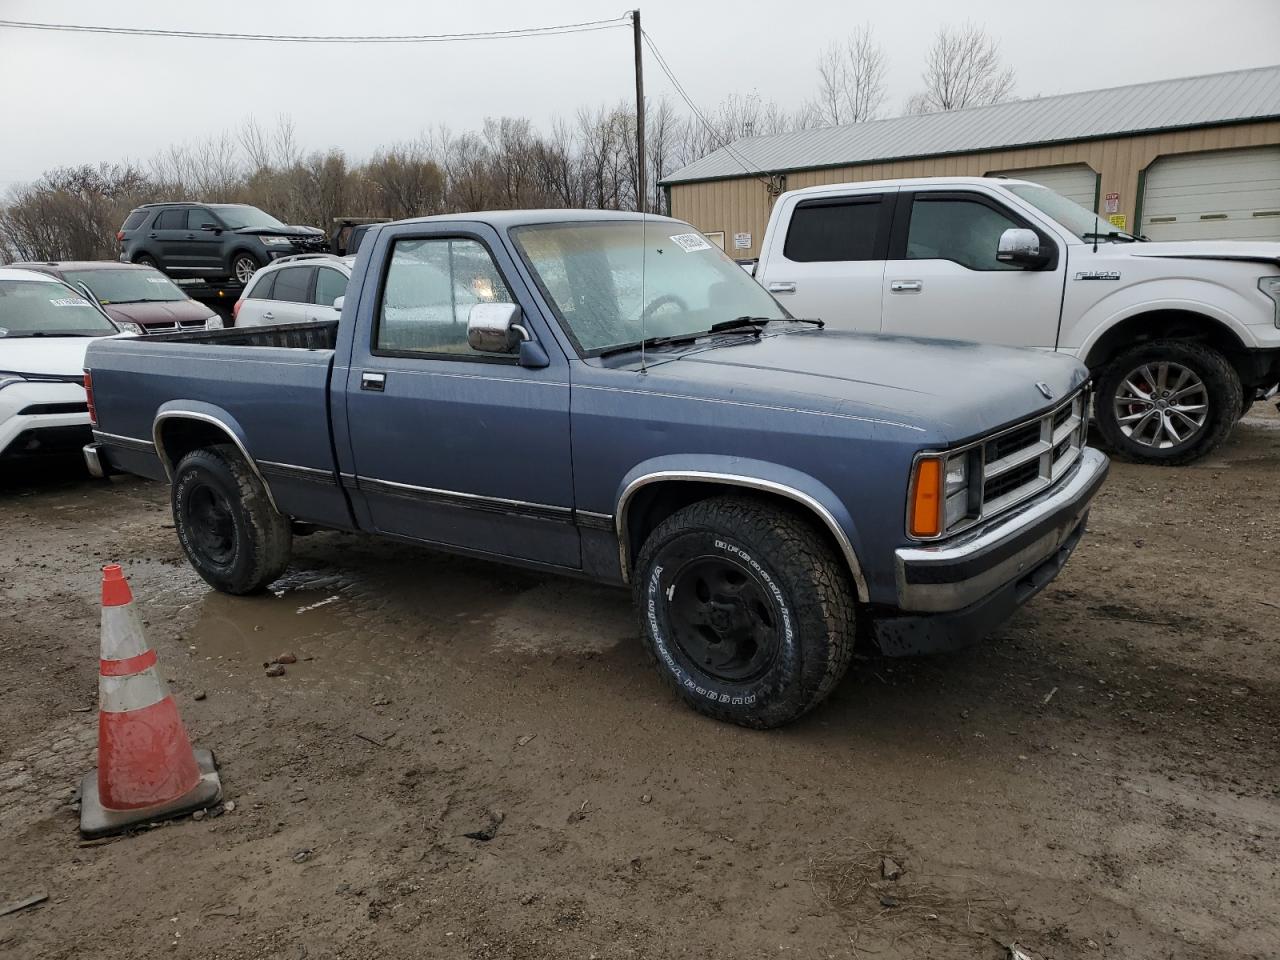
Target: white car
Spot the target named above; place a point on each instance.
(1179, 336)
(45, 327)
(294, 289)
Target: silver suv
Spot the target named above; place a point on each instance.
(294, 290)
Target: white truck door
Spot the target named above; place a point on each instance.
(943, 279)
(824, 257)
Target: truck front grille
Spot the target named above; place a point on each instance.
(1020, 462)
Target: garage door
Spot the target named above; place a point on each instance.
(1075, 181)
(1224, 195)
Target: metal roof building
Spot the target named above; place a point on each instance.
(1164, 156)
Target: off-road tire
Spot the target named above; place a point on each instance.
(1222, 383)
(246, 257)
(1247, 403)
(801, 573)
(259, 538)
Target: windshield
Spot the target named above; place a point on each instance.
(235, 217)
(591, 273)
(1085, 224)
(126, 285)
(34, 308)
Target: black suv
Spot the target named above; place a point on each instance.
(213, 241)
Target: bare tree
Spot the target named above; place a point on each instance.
(963, 69)
(851, 79)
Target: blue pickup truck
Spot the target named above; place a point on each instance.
(609, 396)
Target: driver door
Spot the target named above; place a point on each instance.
(452, 446)
(943, 279)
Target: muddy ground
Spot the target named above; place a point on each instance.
(1099, 779)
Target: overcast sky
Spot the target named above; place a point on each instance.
(76, 98)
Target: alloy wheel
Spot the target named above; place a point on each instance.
(1161, 405)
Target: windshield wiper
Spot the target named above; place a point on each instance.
(650, 342)
(751, 324)
(1115, 235)
(51, 333)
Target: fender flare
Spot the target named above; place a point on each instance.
(758, 475)
(1209, 311)
(205, 413)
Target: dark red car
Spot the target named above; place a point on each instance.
(133, 295)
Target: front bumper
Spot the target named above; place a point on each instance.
(956, 592)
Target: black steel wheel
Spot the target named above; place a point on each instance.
(232, 534)
(746, 609)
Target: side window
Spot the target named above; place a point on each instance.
(198, 217)
(330, 285)
(293, 285)
(135, 219)
(834, 230)
(172, 220)
(431, 286)
(964, 231)
(263, 286)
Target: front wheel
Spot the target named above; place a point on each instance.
(1167, 401)
(745, 609)
(243, 267)
(232, 535)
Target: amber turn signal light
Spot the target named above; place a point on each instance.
(925, 511)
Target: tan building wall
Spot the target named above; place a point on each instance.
(742, 205)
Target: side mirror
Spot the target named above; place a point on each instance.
(495, 328)
(338, 302)
(1020, 247)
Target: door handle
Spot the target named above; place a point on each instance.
(906, 286)
(153, 235)
(191, 236)
(782, 286)
(377, 382)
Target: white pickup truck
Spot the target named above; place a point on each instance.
(1179, 336)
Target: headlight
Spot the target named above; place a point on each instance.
(1271, 287)
(956, 490)
(276, 241)
(939, 495)
(213, 323)
(128, 326)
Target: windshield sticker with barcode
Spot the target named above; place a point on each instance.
(70, 302)
(689, 242)
(156, 280)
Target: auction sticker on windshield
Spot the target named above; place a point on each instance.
(70, 302)
(689, 242)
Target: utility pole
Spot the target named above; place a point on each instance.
(641, 189)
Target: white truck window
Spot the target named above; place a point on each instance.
(837, 230)
(966, 232)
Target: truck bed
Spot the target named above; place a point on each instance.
(314, 335)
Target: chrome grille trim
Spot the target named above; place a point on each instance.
(1040, 455)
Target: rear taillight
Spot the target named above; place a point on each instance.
(120, 235)
(88, 396)
(235, 310)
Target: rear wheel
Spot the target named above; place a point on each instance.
(232, 535)
(243, 267)
(1167, 401)
(147, 261)
(745, 609)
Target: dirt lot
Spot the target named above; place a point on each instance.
(1100, 779)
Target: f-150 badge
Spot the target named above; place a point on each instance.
(1098, 275)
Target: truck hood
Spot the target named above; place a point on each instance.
(952, 389)
(165, 313)
(61, 357)
(1254, 251)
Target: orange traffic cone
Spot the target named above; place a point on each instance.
(146, 767)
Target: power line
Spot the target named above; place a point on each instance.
(724, 145)
(585, 26)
